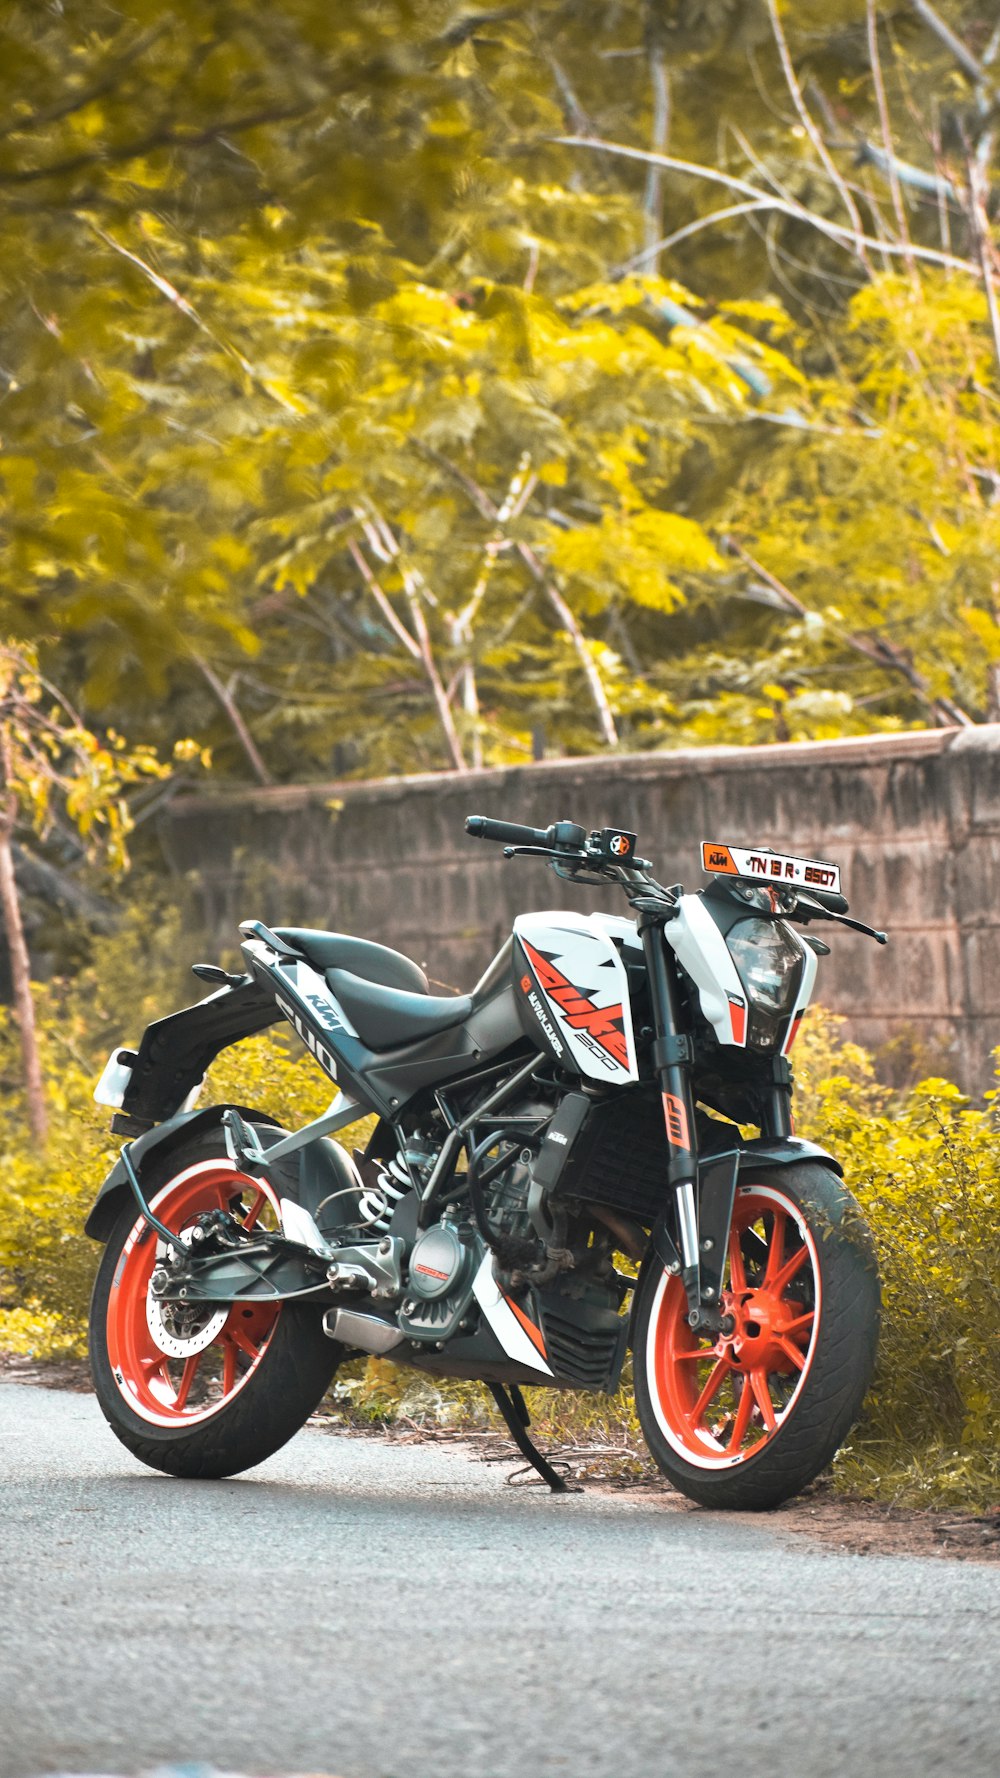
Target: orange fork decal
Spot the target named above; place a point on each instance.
(676, 1117)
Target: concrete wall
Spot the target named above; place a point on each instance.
(913, 820)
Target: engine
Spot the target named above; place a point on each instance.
(504, 1238)
(443, 1266)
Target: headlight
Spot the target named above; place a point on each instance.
(770, 966)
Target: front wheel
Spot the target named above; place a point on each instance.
(200, 1391)
(746, 1420)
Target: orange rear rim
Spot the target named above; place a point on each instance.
(721, 1400)
(179, 1366)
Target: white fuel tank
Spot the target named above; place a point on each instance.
(572, 990)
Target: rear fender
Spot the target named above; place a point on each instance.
(310, 1176)
(175, 1051)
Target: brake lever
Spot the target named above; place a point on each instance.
(813, 911)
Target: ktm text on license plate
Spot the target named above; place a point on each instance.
(769, 867)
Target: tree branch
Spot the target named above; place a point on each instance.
(17, 947)
(489, 510)
(54, 113)
(809, 125)
(161, 137)
(240, 729)
(875, 648)
(964, 57)
(652, 202)
(892, 175)
(381, 599)
(420, 641)
(984, 247)
(932, 185)
(681, 234)
(844, 237)
(191, 314)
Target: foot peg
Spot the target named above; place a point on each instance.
(243, 1144)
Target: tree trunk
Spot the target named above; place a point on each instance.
(20, 971)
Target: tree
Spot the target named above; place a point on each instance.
(387, 381)
(52, 768)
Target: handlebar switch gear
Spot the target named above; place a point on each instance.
(616, 844)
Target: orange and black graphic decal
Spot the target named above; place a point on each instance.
(604, 1023)
(534, 1333)
(676, 1116)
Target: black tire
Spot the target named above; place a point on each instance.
(817, 1404)
(270, 1400)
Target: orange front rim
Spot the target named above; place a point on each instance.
(720, 1401)
(177, 1366)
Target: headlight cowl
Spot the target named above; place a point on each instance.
(770, 965)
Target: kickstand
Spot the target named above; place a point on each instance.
(514, 1409)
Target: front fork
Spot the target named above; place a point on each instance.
(703, 1189)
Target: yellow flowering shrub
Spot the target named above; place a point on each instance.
(925, 1165)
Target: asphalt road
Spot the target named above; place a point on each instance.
(380, 1611)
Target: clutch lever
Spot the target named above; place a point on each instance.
(553, 852)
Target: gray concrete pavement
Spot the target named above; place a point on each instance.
(396, 1612)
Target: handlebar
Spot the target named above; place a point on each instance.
(561, 836)
(609, 856)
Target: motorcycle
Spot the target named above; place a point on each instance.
(559, 1172)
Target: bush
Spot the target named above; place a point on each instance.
(925, 1166)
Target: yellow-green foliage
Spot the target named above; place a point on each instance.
(282, 394)
(46, 1265)
(926, 1168)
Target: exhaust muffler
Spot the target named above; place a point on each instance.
(368, 1333)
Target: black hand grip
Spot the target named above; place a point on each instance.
(837, 904)
(508, 833)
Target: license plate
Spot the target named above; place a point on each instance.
(761, 865)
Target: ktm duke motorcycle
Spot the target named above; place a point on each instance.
(579, 1110)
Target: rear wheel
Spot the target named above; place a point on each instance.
(200, 1391)
(747, 1419)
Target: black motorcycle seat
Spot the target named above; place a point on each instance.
(385, 1018)
(373, 963)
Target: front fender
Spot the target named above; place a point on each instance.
(782, 1151)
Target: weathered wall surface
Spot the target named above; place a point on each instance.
(914, 821)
